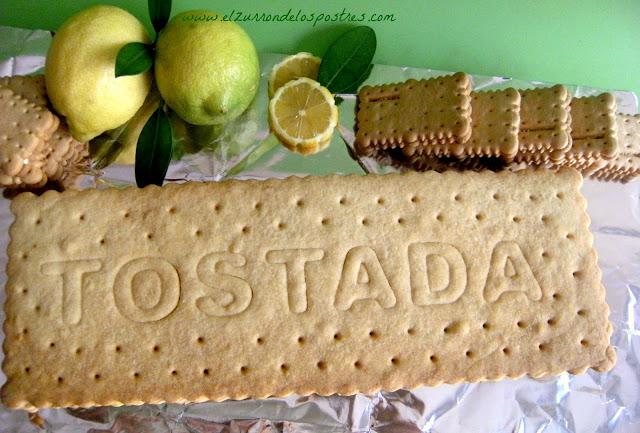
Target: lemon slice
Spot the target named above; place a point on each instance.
(303, 115)
(291, 68)
(311, 148)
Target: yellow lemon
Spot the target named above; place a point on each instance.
(303, 116)
(80, 71)
(291, 68)
(207, 69)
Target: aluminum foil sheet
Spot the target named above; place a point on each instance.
(593, 402)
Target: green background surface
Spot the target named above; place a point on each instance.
(588, 42)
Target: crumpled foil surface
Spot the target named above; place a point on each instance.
(593, 402)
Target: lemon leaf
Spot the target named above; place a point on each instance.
(353, 88)
(133, 59)
(159, 12)
(154, 150)
(347, 59)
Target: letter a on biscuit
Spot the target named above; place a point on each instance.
(363, 279)
(509, 271)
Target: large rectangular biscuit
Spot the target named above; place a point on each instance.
(208, 291)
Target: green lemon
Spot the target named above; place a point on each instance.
(80, 71)
(207, 69)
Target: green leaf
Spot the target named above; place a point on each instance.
(347, 59)
(159, 12)
(134, 58)
(153, 153)
(353, 88)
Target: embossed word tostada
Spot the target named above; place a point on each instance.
(438, 275)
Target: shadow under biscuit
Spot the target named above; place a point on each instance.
(10, 193)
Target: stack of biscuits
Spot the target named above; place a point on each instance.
(545, 125)
(625, 166)
(442, 124)
(36, 147)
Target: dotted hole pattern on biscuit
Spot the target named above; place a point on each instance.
(450, 329)
(411, 208)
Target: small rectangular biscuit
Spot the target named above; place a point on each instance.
(26, 128)
(402, 114)
(32, 88)
(544, 140)
(586, 167)
(495, 122)
(606, 176)
(545, 123)
(595, 148)
(589, 169)
(628, 130)
(544, 108)
(542, 145)
(236, 289)
(31, 175)
(623, 168)
(594, 117)
(60, 151)
(63, 151)
(532, 158)
(575, 161)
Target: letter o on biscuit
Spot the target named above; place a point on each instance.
(146, 289)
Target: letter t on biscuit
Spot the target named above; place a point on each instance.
(72, 273)
(294, 262)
